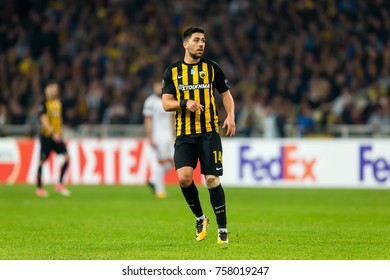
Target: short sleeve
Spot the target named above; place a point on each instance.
(168, 87)
(220, 82)
(41, 108)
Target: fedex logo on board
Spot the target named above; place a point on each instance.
(378, 166)
(284, 166)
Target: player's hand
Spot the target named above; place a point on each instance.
(152, 144)
(56, 137)
(231, 126)
(193, 105)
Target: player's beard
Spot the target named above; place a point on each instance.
(195, 56)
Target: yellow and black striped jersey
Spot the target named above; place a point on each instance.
(52, 108)
(196, 82)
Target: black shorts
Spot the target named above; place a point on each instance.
(206, 147)
(48, 145)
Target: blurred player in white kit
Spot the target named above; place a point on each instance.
(160, 135)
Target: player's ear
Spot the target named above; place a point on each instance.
(185, 44)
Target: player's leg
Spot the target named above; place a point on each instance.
(164, 151)
(159, 174)
(60, 148)
(40, 191)
(211, 165)
(159, 169)
(217, 199)
(46, 146)
(152, 155)
(185, 158)
(191, 194)
(167, 155)
(64, 168)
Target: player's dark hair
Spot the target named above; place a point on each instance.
(189, 31)
(50, 82)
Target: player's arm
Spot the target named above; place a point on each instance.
(44, 119)
(229, 122)
(148, 130)
(170, 104)
(221, 83)
(46, 124)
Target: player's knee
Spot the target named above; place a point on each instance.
(185, 180)
(212, 181)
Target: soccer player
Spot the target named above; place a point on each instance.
(50, 111)
(189, 90)
(159, 132)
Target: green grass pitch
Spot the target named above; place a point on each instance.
(128, 223)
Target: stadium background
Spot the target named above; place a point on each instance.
(297, 68)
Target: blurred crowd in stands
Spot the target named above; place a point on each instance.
(302, 64)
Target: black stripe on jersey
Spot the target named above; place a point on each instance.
(185, 94)
(180, 115)
(213, 107)
(183, 111)
(191, 73)
(202, 101)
